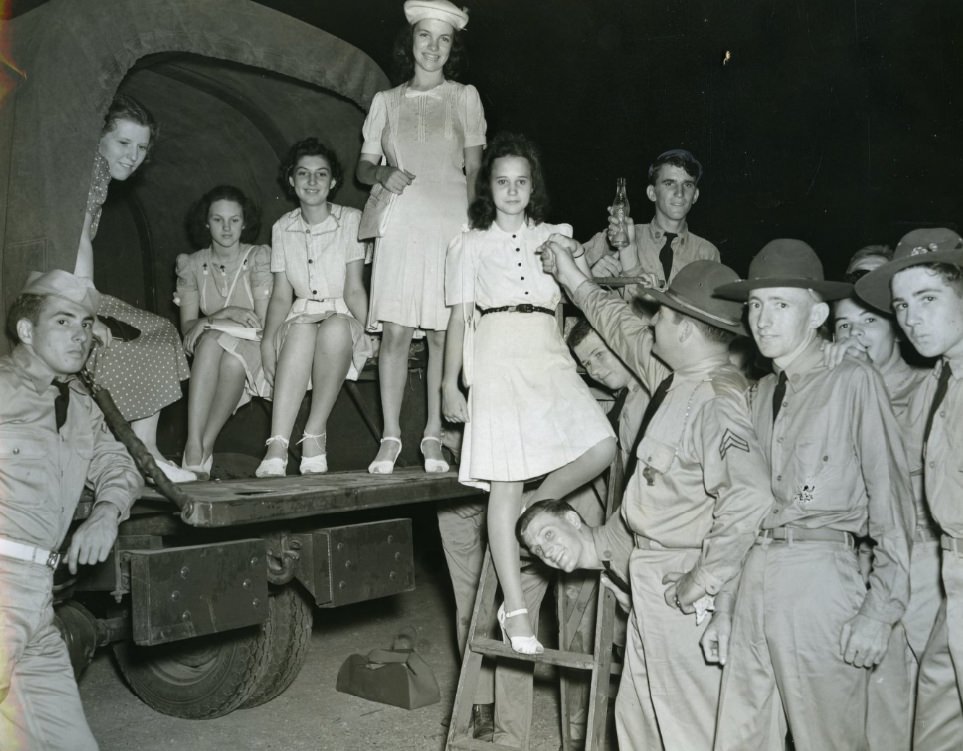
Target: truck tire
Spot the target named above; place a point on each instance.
(200, 678)
(288, 634)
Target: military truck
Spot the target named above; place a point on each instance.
(207, 606)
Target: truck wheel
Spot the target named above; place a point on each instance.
(200, 678)
(288, 636)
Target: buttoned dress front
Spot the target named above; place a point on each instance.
(837, 465)
(939, 703)
(694, 505)
(426, 134)
(313, 259)
(529, 410)
(42, 474)
(202, 280)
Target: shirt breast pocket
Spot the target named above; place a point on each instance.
(820, 478)
(19, 446)
(655, 459)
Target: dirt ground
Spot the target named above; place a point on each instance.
(311, 714)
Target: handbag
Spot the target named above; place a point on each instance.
(399, 677)
(377, 209)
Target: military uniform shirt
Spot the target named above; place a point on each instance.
(649, 239)
(942, 457)
(701, 481)
(43, 471)
(838, 462)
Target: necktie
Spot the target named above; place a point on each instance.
(61, 402)
(617, 406)
(665, 255)
(941, 385)
(778, 395)
(657, 398)
(616, 577)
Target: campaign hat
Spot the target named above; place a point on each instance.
(920, 246)
(693, 293)
(786, 263)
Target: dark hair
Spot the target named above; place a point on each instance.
(580, 330)
(548, 506)
(481, 213)
(403, 57)
(950, 273)
(127, 108)
(197, 227)
(27, 305)
(676, 158)
(307, 147)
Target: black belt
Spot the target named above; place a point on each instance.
(802, 534)
(523, 308)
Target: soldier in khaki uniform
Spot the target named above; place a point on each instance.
(805, 628)
(892, 683)
(52, 440)
(923, 285)
(695, 500)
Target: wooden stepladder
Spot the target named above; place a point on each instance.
(484, 640)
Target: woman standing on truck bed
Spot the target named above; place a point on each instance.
(143, 365)
(421, 140)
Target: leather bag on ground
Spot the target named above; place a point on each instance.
(391, 676)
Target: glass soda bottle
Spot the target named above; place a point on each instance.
(620, 209)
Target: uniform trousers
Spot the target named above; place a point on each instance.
(939, 700)
(513, 679)
(668, 694)
(892, 683)
(463, 537)
(785, 665)
(39, 703)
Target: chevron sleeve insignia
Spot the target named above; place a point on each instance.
(732, 441)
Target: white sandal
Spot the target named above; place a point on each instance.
(274, 467)
(386, 466)
(433, 465)
(526, 645)
(315, 465)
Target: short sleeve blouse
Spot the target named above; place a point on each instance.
(313, 257)
(201, 280)
(493, 268)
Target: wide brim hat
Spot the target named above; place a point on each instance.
(692, 293)
(786, 263)
(440, 10)
(931, 245)
(63, 284)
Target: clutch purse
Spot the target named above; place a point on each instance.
(377, 210)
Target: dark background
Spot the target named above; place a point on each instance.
(835, 122)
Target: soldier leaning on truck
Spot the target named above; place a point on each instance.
(53, 440)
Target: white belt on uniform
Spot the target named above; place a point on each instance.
(29, 553)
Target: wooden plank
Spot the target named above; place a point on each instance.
(222, 504)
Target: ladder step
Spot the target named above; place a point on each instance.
(495, 648)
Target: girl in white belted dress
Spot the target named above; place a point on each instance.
(528, 413)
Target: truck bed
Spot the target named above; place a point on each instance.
(230, 502)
